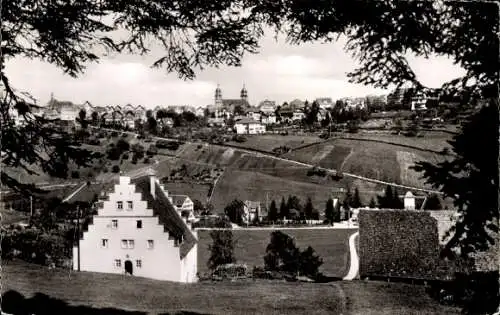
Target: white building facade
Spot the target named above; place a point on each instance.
(138, 231)
(249, 126)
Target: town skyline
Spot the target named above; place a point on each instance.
(279, 72)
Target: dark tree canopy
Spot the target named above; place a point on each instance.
(471, 179)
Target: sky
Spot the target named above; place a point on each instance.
(280, 72)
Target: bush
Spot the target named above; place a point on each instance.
(152, 150)
(114, 134)
(122, 145)
(146, 161)
(125, 156)
(75, 174)
(115, 169)
(134, 159)
(282, 255)
(36, 246)
(239, 138)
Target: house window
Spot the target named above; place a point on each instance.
(118, 263)
(104, 243)
(138, 263)
(151, 244)
(124, 244)
(130, 205)
(114, 224)
(131, 244)
(119, 205)
(139, 224)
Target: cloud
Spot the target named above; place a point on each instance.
(280, 72)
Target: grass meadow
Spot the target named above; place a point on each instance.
(31, 289)
(332, 245)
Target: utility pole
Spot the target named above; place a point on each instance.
(31, 209)
(78, 233)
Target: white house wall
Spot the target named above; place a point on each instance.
(162, 262)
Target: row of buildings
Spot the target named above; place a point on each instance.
(266, 112)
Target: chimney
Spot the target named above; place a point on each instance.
(152, 181)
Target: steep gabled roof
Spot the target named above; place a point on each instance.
(168, 215)
(178, 200)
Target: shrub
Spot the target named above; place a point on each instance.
(282, 255)
(114, 134)
(122, 145)
(152, 150)
(134, 159)
(125, 156)
(115, 169)
(75, 174)
(221, 249)
(239, 138)
(146, 161)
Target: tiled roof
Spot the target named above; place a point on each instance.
(178, 200)
(234, 102)
(247, 121)
(167, 214)
(252, 204)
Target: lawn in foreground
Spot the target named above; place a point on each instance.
(332, 245)
(90, 293)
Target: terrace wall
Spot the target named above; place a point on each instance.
(400, 243)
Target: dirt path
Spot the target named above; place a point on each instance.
(354, 264)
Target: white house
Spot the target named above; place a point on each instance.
(69, 112)
(251, 209)
(249, 126)
(184, 205)
(325, 102)
(267, 106)
(268, 119)
(409, 201)
(298, 115)
(138, 231)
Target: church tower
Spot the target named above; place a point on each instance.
(218, 96)
(244, 94)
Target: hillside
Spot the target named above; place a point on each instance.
(36, 289)
(255, 176)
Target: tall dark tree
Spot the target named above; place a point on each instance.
(273, 212)
(95, 118)
(355, 201)
(330, 211)
(82, 119)
(433, 203)
(221, 249)
(308, 209)
(234, 211)
(284, 210)
(471, 180)
(372, 204)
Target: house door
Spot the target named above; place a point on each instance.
(129, 267)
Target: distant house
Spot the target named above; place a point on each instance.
(184, 205)
(298, 115)
(254, 113)
(268, 119)
(325, 102)
(139, 231)
(249, 126)
(297, 104)
(251, 210)
(267, 106)
(418, 101)
(409, 201)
